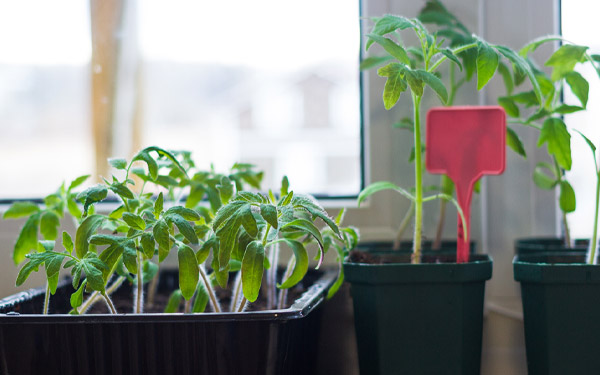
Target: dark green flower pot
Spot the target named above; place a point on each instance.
(447, 247)
(536, 245)
(561, 308)
(419, 318)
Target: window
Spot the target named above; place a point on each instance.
(267, 82)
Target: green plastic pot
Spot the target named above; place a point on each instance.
(447, 247)
(537, 245)
(419, 318)
(561, 308)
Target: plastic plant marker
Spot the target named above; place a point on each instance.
(465, 143)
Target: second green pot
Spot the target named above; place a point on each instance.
(419, 318)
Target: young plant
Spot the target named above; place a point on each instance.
(414, 69)
(549, 115)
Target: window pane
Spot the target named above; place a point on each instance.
(44, 85)
(274, 83)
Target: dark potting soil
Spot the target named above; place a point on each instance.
(364, 257)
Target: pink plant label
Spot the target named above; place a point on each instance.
(465, 143)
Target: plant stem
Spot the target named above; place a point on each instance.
(139, 295)
(416, 256)
(440, 227)
(403, 226)
(284, 292)
(47, 298)
(592, 257)
(455, 51)
(214, 302)
(152, 287)
(242, 305)
(559, 172)
(109, 303)
(272, 276)
(237, 287)
(187, 307)
(95, 296)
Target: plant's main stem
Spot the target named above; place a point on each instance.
(109, 303)
(187, 307)
(243, 304)
(272, 276)
(153, 286)
(214, 302)
(592, 257)
(95, 296)
(237, 287)
(416, 255)
(139, 297)
(47, 298)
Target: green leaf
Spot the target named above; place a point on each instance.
(514, 142)
(564, 109)
(93, 276)
(308, 203)
(228, 235)
(542, 179)
(201, 298)
(285, 187)
(435, 83)
(149, 270)
(415, 81)
(563, 60)
(84, 232)
(185, 228)
(533, 45)
(379, 186)
(592, 147)
(67, 242)
(73, 208)
(49, 225)
(487, 63)
(145, 156)
(27, 269)
(161, 234)
(373, 61)
(387, 24)
(506, 77)
(118, 163)
(130, 259)
(567, 197)
(252, 270)
(300, 267)
(147, 242)
(309, 228)
(77, 296)
(579, 86)
(452, 57)
(121, 190)
(248, 221)
(27, 239)
(391, 47)
(188, 271)
(78, 181)
(226, 212)
(174, 302)
(554, 132)
(225, 189)
(158, 205)
(269, 213)
(509, 106)
(134, 221)
(394, 85)
(52, 269)
(521, 67)
(20, 209)
(186, 213)
(527, 97)
(110, 256)
(92, 195)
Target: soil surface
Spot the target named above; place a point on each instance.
(364, 257)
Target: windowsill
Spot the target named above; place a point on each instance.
(510, 307)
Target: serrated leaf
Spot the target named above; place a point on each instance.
(186, 213)
(78, 181)
(226, 212)
(391, 47)
(147, 242)
(20, 209)
(554, 132)
(509, 106)
(118, 163)
(542, 179)
(77, 297)
(567, 197)
(121, 190)
(110, 256)
(394, 85)
(27, 239)
(27, 269)
(388, 24)
(174, 302)
(93, 276)
(252, 270)
(84, 232)
(67, 242)
(130, 259)
(435, 83)
(188, 271)
(134, 221)
(487, 63)
(92, 195)
(579, 86)
(563, 60)
(269, 213)
(248, 221)
(185, 228)
(161, 234)
(300, 266)
(450, 55)
(522, 68)
(49, 224)
(514, 142)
